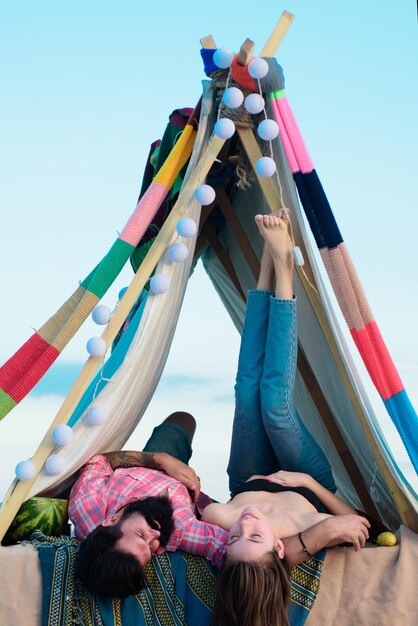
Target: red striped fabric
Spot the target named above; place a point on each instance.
(377, 359)
(20, 373)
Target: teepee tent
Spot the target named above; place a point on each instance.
(108, 399)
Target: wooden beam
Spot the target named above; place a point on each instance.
(223, 257)
(271, 194)
(235, 225)
(253, 151)
(246, 52)
(333, 429)
(278, 34)
(208, 42)
(19, 490)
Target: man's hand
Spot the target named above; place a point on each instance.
(159, 461)
(352, 529)
(181, 472)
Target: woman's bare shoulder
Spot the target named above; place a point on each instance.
(216, 513)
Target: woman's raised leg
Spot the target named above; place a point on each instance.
(251, 451)
(294, 446)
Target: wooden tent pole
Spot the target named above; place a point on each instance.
(20, 489)
(271, 195)
(240, 235)
(223, 256)
(278, 34)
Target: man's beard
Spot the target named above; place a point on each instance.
(158, 514)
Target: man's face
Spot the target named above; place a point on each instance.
(145, 525)
(139, 539)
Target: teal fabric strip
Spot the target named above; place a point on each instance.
(112, 364)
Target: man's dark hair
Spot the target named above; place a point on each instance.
(107, 571)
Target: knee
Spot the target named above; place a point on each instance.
(184, 419)
(274, 402)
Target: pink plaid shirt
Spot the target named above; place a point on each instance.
(101, 491)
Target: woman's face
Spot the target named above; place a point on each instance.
(250, 537)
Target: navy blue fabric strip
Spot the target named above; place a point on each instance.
(318, 210)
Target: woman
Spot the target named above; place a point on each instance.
(268, 504)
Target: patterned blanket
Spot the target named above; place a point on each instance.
(181, 590)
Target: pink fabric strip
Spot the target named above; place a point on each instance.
(301, 153)
(287, 146)
(143, 214)
(347, 287)
(378, 361)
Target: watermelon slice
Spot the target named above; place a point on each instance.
(46, 514)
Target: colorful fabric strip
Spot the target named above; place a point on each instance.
(23, 370)
(344, 279)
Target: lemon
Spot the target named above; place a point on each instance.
(386, 539)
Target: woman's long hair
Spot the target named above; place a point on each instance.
(253, 593)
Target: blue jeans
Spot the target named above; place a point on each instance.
(268, 434)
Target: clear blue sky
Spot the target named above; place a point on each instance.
(87, 86)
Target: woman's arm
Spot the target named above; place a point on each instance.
(330, 532)
(158, 461)
(332, 503)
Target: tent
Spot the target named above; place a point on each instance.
(329, 395)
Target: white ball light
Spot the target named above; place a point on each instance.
(233, 97)
(298, 256)
(268, 130)
(159, 283)
(55, 464)
(258, 68)
(265, 167)
(223, 58)
(96, 346)
(178, 252)
(224, 128)
(101, 314)
(25, 470)
(254, 103)
(62, 434)
(122, 292)
(186, 227)
(97, 415)
(205, 194)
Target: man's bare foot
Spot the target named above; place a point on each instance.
(274, 230)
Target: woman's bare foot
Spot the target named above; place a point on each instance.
(266, 276)
(274, 230)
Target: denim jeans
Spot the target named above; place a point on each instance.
(268, 434)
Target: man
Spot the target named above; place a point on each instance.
(127, 506)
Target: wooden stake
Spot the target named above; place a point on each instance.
(223, 257)
(18, 492)
(253, 151)
(278, 34)
(240, 235)
(246, 52)
(208, 42)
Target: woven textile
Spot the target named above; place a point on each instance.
(181, 590)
